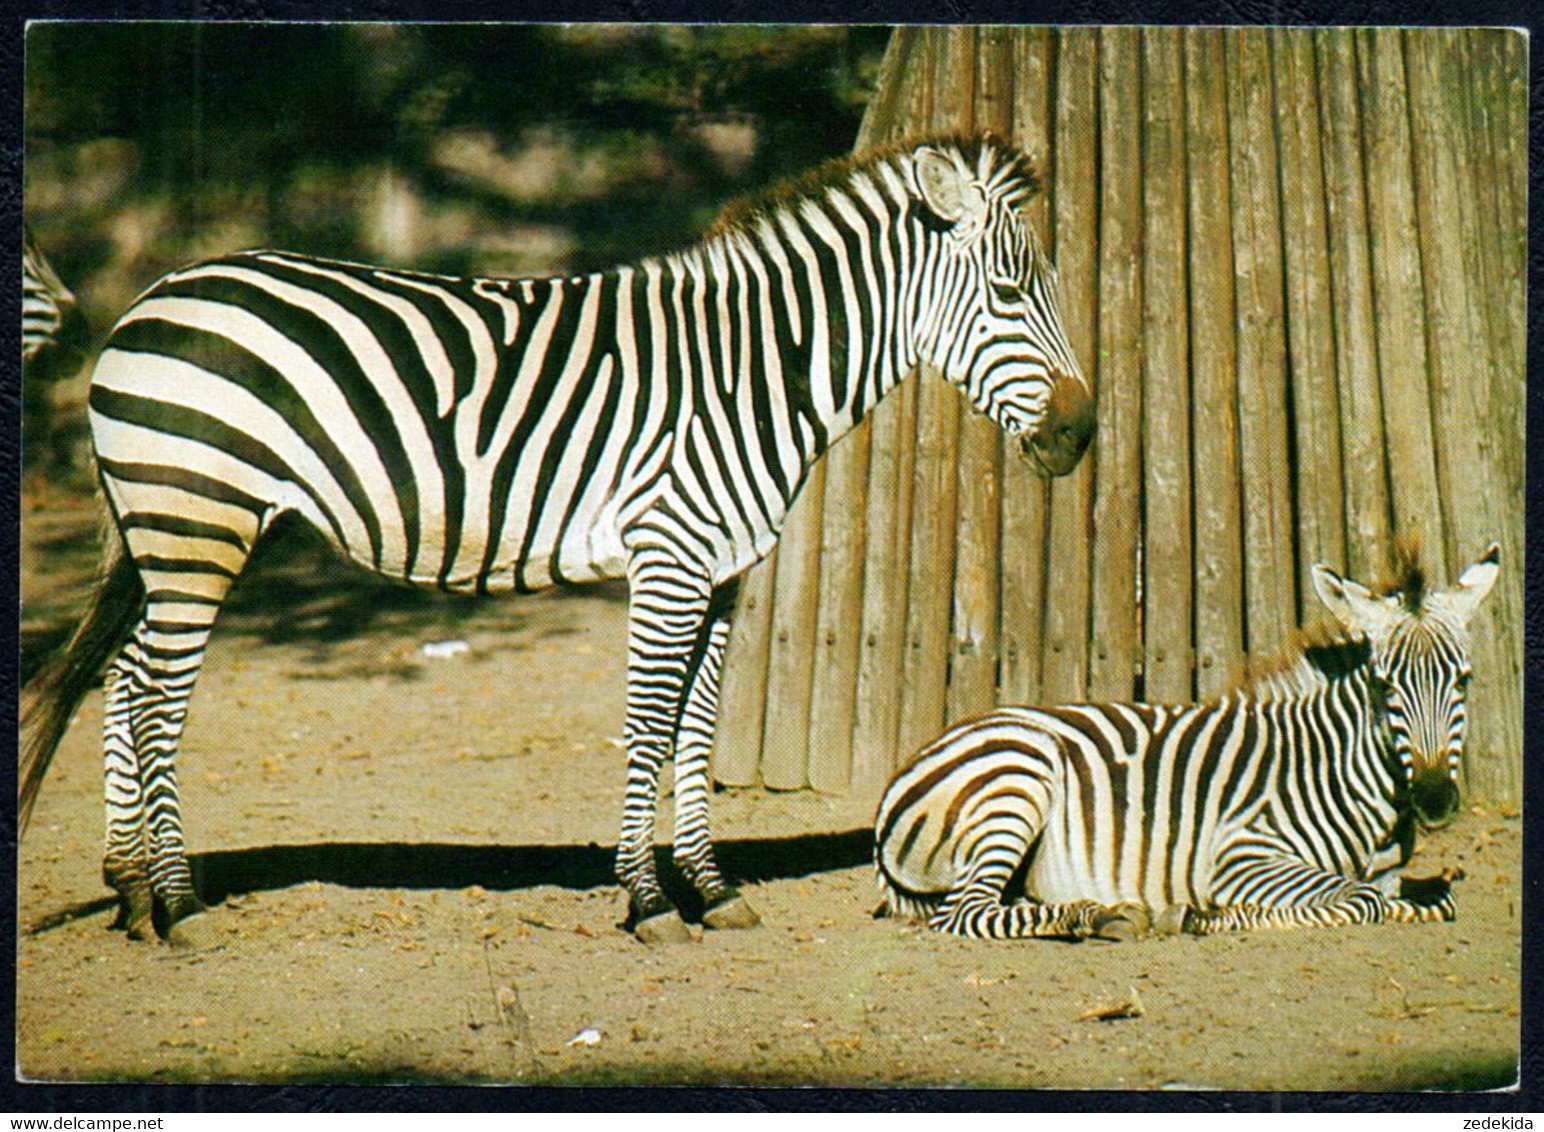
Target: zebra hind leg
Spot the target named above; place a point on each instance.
(146, 857)
(975, 905)
(187, 567)
(126, 859)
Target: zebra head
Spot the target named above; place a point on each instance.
(992, 324)
(1418, 671)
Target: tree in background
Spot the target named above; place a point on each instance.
(495, 149)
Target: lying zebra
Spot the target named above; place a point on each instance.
(1290, 801)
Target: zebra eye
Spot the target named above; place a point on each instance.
(1006, 292)
(1463, 680)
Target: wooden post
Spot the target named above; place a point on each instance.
(1116, 653)
(1356, 356)
(1064, 663)
(1472, 485)
(1397, 288)
(1319, 487)
(1214, 369)
(931, 587)
(1024, 495)
(887, 516)
(1165, 374)
(1269, 564)
(972, 684)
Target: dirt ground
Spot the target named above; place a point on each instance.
(409, 862)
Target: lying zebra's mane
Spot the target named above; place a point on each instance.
(742, 214)
(1319, 653)
(1408, 577)
(1324, 650)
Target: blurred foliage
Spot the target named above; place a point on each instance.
(220, 119)
(487, 148)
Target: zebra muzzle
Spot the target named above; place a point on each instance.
(1055, 448)
(1434, 798)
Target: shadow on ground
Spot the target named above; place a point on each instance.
(499, 868)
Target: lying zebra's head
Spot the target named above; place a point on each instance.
(990, 318)
(1419, 670)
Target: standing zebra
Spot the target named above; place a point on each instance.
(46, 303)
(1290, 801)
(488, 435)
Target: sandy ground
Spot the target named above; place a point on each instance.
(409, 859)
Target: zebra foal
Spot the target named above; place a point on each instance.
(1291, 801)
(653, 422)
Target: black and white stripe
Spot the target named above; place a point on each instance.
(1290, 801)
(653, 421)
(46, 303)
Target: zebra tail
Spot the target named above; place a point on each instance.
(50, 697)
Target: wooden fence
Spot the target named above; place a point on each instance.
(1293, 266)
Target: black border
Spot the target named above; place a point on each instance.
(28, 1098)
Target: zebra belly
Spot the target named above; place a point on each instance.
(1060, 872)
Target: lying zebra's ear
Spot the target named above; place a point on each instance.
(1475, 582)
(1353, 604)
(944, 187)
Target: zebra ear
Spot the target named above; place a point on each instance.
(1475, 582)
(944, 187)
(1353, 604)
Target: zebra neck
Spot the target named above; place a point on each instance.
(822, 298)
(1337, 723)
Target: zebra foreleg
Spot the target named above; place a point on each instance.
(723, 906)
(1275, 894)
(667, 612)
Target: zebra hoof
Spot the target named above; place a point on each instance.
(1122, 923)
(1171, 921)
(736, 912)
(666, 927)
(198, 932)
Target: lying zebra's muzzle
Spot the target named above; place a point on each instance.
(1433, 798)
(1055, 448)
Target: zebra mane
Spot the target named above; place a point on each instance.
(1325, 650)
(742, 214)
(1312, 655)
(1407, 578)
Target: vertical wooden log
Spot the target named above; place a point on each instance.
(1116, 649)
(791, 651)
(1219, 566)
(1166, 377)
(1472, 486)
(1489, 76)
(1356, 357)
(834, 679)
(845, 545)
(931, 587)
(1064, 663)
(1269, 564)
(1318, 478)
(1024, 495)
(1397, 288)
(743, 696)
(882, 644)
(978, 550)
(1493, 86)
(876, 749)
